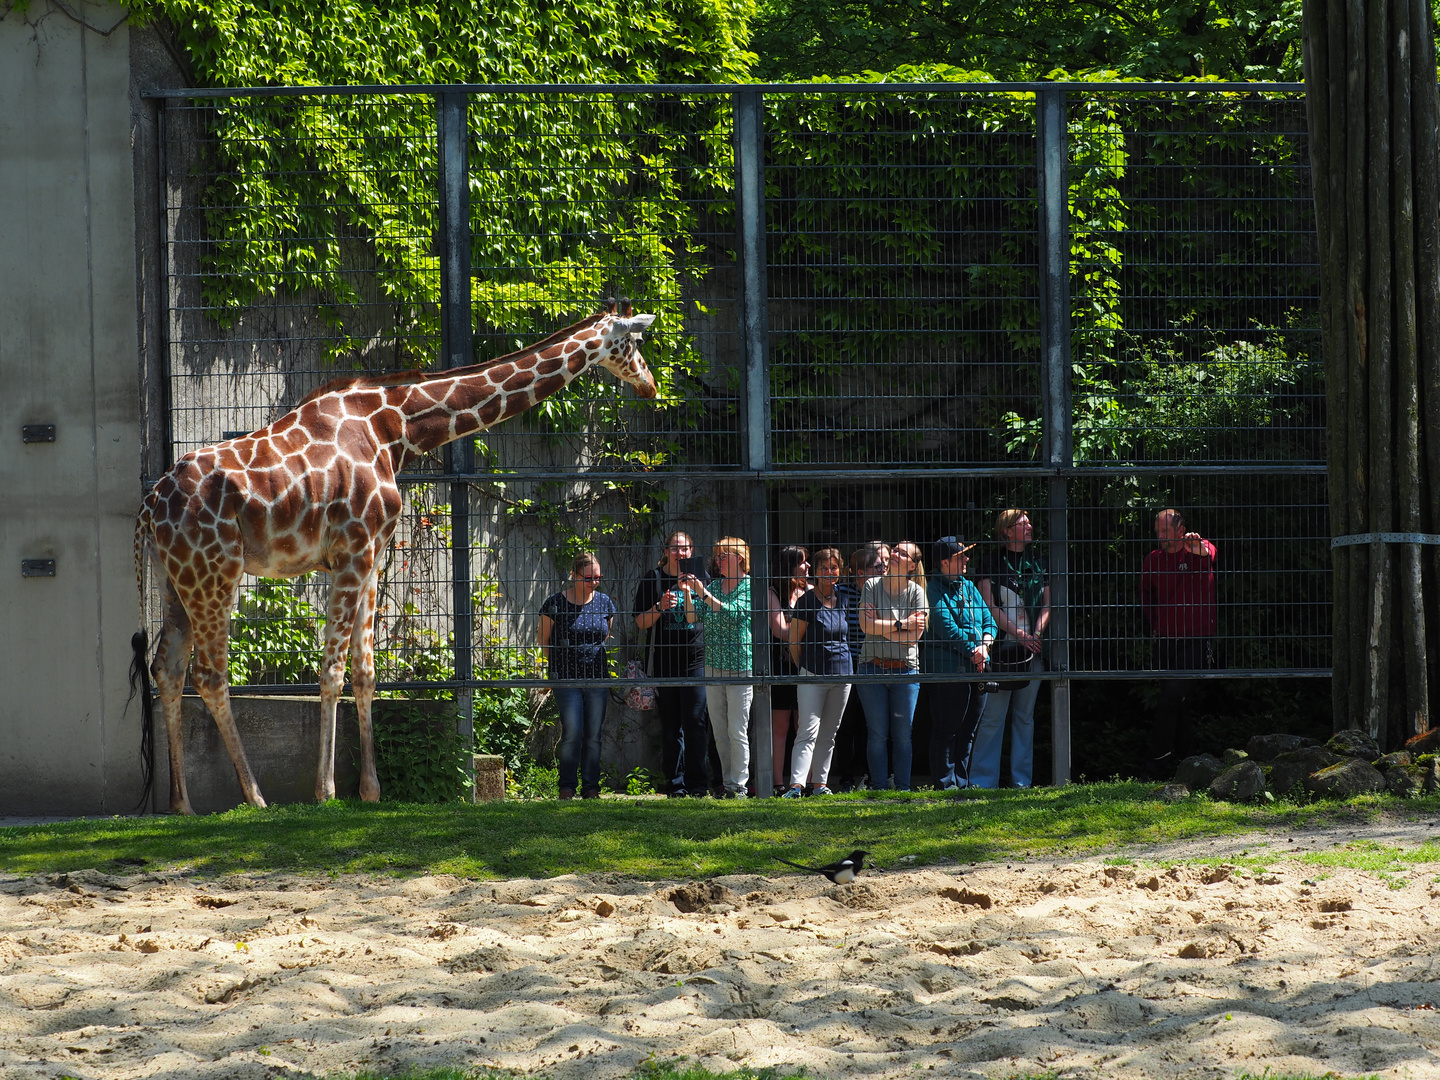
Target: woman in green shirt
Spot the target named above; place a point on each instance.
(724, 607)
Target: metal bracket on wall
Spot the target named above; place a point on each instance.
(37, 567)
(37, 432)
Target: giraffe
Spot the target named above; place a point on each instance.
(316, 490)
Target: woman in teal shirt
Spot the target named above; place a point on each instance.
(725, 608)
(958, 639)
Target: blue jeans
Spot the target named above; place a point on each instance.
(985, 758)
(889, 712)
(582, 712)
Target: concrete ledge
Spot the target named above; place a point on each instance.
(281, 736)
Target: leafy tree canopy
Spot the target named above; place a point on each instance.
(297, 42)
(1031, 39)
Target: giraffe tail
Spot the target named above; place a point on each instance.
(140, 683)
(140, 670)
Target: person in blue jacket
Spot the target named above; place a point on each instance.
(958, 639)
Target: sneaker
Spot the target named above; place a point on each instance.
(590, 793)
(794, 793)
(821, 789)
(567, 793)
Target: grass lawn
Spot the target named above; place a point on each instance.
(665, 838)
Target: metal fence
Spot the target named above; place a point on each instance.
(885, 312)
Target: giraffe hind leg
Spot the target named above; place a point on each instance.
(172, 657)
(348, 589)
(362, 679)
(211, 679)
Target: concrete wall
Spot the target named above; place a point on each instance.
(68, 357)
(281, 736)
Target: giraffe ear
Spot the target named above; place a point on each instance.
(634, 324)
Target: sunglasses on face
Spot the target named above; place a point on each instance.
(592, 577)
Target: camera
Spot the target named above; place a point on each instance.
(992, 688)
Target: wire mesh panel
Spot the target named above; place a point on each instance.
(902, 269)
(1195, 315)
(299, 249)
(578, 197)
(1270, 547)
(904, 355)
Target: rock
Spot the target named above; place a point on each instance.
(1291, 768)
(1352, 742)
(1352, 777)
(1197, 772)
(1242, 782)
(1432, 774)
(1172, 793)
(1389, 761)
(1426, 743)
(1233, 757)
(1405, 780)
(1265, 748)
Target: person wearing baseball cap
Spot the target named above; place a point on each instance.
(958, 639)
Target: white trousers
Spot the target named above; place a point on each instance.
(729, 706)
(819, 709)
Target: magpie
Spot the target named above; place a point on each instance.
(841, 873)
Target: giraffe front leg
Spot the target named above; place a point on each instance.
(172, 657)
(362, 679)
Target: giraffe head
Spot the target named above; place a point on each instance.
(620, 330)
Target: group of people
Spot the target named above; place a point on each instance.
(879, 616)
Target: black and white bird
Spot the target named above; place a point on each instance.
(841, 873)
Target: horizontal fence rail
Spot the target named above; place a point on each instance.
(886, 312)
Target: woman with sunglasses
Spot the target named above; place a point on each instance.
(893, 614)
(574, 626)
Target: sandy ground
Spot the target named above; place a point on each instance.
(1078, 968)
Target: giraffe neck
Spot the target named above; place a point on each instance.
(442, 409)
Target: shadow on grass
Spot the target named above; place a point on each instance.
(655, 838)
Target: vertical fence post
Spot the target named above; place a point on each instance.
(159, 430)
(749, 111)
(456, 350)
(1052, 157)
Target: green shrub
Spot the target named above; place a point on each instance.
(420, 757)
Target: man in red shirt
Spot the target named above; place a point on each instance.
(1177, 594)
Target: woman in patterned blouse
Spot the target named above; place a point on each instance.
(574, 625)
(725, 609)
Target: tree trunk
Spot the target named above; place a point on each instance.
(1373, 106)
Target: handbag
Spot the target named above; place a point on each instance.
(1009, 657)
(639, 697)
